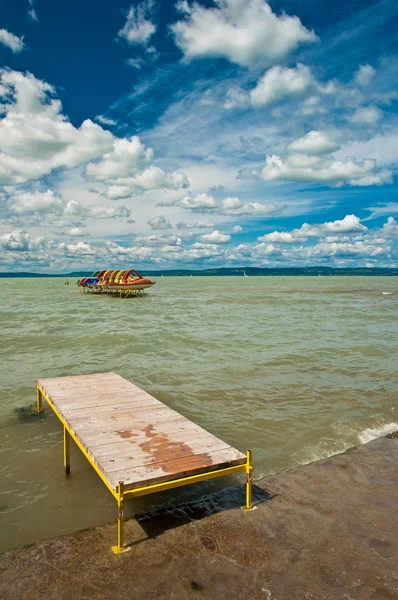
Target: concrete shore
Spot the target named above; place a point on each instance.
(323, 531)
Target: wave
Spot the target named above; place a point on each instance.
(367, 435)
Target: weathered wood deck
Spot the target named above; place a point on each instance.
(135, 442)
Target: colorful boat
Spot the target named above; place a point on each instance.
(128, 281)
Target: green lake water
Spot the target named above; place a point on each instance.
(295, 368)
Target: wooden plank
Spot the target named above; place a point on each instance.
(105, 438)
(174, 469)
(139, 457)
(104, 398)
(89, 390)
(119, 409)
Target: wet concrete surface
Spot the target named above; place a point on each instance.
(324, 531)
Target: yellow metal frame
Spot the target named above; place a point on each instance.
(120, 494)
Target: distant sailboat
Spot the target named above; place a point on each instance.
(244, 274)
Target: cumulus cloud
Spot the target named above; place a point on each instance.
(245, 32)
(29, 203)
(322, 168)
(366, 116)
(79, 249)
(126, 157)
(314, 142)
(76, 209)
(349, 225)
(35, 137)
(390, 229)
(364, 75)
(20, 241)
(302, 234)
(13, 42)
(349, 249)
(200, 202)
(281, 82)
(124, 169)
(159, 222)
(194, 225)
(278, 83)
(139, 27)
(216, 237)
(77, 232)
(228, 206)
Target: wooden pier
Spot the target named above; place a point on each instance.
(135, 443)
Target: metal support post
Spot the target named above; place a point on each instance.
(66, 451)
(249, 481)
(39, 401)
(121, 547)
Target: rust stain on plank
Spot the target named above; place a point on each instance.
(163, 450)
(125, 433)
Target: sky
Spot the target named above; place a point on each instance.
(181, 134)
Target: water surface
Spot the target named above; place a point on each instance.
(294, 368)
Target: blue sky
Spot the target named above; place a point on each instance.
(197, 134)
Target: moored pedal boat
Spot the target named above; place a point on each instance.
(110, 280)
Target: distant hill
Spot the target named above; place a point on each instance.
(228, 272)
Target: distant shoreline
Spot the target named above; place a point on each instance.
(230, 272)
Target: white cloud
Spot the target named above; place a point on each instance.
(194, 225)
(105, 120)
(117, 192)
(35, 137)
(281, 82)
(302, 234)
(79, 249)
(12, 41)
(76, 209)
(159, 222)
(124, 170)
(199, 202)
(282, 237)
(32, 11)
(366, 116)
(154, 178)
(390, 229)
(77, 232)
(278, 83)
(20, 241)
(322, 169)
(235, 206)
(136, 63)
(138, 28)
(364, 75)
(127, 156)
(354, 249)
(216, 237)
(237, 229)
(349, 224)
(30, 203)
(161, 239)
(314, 142)
(229, 206)
(245, 32)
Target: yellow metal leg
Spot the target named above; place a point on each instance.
(66, 451)
(249, 481)
(121, 547)
(39, 401)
